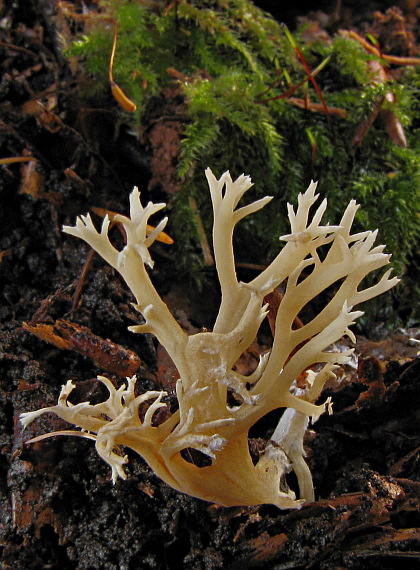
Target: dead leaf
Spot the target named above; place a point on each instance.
(106, 354)
(32, 180)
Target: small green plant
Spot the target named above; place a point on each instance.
(220, 57)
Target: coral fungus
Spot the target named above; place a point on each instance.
(206, 419)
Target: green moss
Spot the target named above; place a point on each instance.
(236, 60)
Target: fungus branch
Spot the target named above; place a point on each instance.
(130, 263)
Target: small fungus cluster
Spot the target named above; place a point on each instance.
(208, 419)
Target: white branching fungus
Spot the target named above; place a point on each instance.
(206, 419)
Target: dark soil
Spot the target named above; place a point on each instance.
(58, 508)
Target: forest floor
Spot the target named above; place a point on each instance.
(59, 307)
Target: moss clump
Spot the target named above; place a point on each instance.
(232, 61)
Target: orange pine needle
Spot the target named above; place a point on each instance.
(117, 92)
(162, 237)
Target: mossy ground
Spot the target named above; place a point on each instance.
(223, 71)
